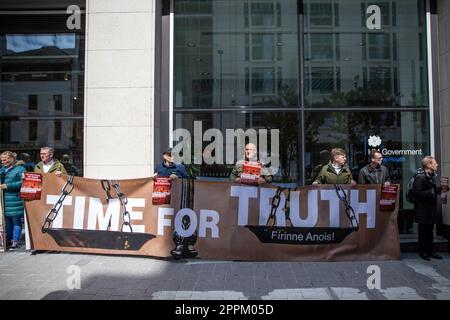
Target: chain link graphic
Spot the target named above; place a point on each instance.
(53, 213)
(342, 195)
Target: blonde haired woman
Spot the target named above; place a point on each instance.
(11, 182)
(427, 205)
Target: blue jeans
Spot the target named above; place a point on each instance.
(13, 228)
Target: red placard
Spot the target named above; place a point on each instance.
(161, 191)
(388, 197)
(444, 185)
(31, 186)
(251, 172)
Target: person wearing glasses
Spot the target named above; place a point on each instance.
(336, 171)
(250, 156)
(374, 172)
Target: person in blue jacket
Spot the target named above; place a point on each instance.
(11, 182)
(167, 168)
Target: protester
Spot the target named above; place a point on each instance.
(24, 159)
(68, 165)
(11, 182)
(427, 205)
(250, 156)
(167, 168)
(49, 164)
(324, 158)
(374, 172)
(336, 171)
(360, 163)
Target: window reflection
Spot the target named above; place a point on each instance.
(287, 122)
(351, 131)
(45, 69)
(66, 136)
(347, 65)
(42, 81)
(235, 53)
(16, 43)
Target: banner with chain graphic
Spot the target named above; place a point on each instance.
(222, 220)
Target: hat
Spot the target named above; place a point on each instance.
(168, 152)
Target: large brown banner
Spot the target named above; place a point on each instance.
(231, 221)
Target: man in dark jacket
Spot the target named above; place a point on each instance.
(427, 206)
(374, 172)
(68, 165)
(167, 168)
(335, 172)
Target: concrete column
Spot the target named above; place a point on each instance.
(443, 7)
(119, 108)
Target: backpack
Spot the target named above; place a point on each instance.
(409, 190)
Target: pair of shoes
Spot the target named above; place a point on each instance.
(435, 255)
(14, 245)
(424, 256)
(177, 252)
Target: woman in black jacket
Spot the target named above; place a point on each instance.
(427, 206)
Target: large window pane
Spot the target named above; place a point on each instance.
(28, 136)
(351, 131)
(263, 14)
(42, 74)
(380, 67)
(41, 79)
(288, 124)
(236, 53)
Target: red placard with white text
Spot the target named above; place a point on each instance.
(31, 186)
(251, 172)
(444, 184)
(161, 191)
(388, 197)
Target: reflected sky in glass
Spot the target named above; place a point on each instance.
(27, 42)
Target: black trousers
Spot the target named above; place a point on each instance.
(426, 238)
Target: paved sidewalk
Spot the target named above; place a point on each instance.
(54, 276)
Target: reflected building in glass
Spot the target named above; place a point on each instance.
(348, 64)
(42, 82)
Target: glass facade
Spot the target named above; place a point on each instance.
(236, 64)
(326, 73)
(231, 53)
(348, 65)
(42, 79)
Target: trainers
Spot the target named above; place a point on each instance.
(14, 245)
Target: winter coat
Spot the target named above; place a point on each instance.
(166, 171)
(427, 195)
(239, 166)
(328, 175)
(11, 195)
(371, 175)
(57, 166)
